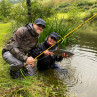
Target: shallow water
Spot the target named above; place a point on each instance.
(82, 78)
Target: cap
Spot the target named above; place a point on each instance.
(55, 35)
(40, 21)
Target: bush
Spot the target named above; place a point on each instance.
(59, 26)
(5, 9)
(19, 12)
(38, 10)
(63, 7)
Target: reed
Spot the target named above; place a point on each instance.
(60, 26)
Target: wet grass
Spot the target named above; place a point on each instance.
(33, 86)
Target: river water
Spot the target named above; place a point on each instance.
(82, 78)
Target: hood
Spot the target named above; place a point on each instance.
(31, 29)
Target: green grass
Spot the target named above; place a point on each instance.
(81, 9)
(80, 15)
(62, 15)
(4, 35)
(31, 86)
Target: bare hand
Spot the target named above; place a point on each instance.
(47, 52)
(30, 61)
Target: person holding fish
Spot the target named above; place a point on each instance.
(47, 59)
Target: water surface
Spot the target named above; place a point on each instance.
(81, 80)
(82, 67)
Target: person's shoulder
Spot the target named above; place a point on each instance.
(22, 29)
(41, 45)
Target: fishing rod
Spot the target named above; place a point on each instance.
(66, 36)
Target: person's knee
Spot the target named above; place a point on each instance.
(16, 66)
(6, 55)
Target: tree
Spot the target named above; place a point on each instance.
(5, 8)
(29, 10)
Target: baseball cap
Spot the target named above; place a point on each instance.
(55, 35)
(40, 21)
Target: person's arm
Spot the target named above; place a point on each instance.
(36, 51)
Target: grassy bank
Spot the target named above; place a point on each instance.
(39, 85)
(68, 9)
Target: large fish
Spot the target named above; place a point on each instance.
(59, 52)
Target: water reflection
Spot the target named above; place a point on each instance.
(84, 64)
(81, 79)
(85, 73)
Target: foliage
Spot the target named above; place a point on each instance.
(38, 10)
(73, 9)
(73, 13)
(19, 13)
(63, 7)
(5, 9)
(60, 26)
(15, 1)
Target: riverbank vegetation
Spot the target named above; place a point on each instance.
(61, 16)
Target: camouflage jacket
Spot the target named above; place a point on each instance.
(22, 41)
